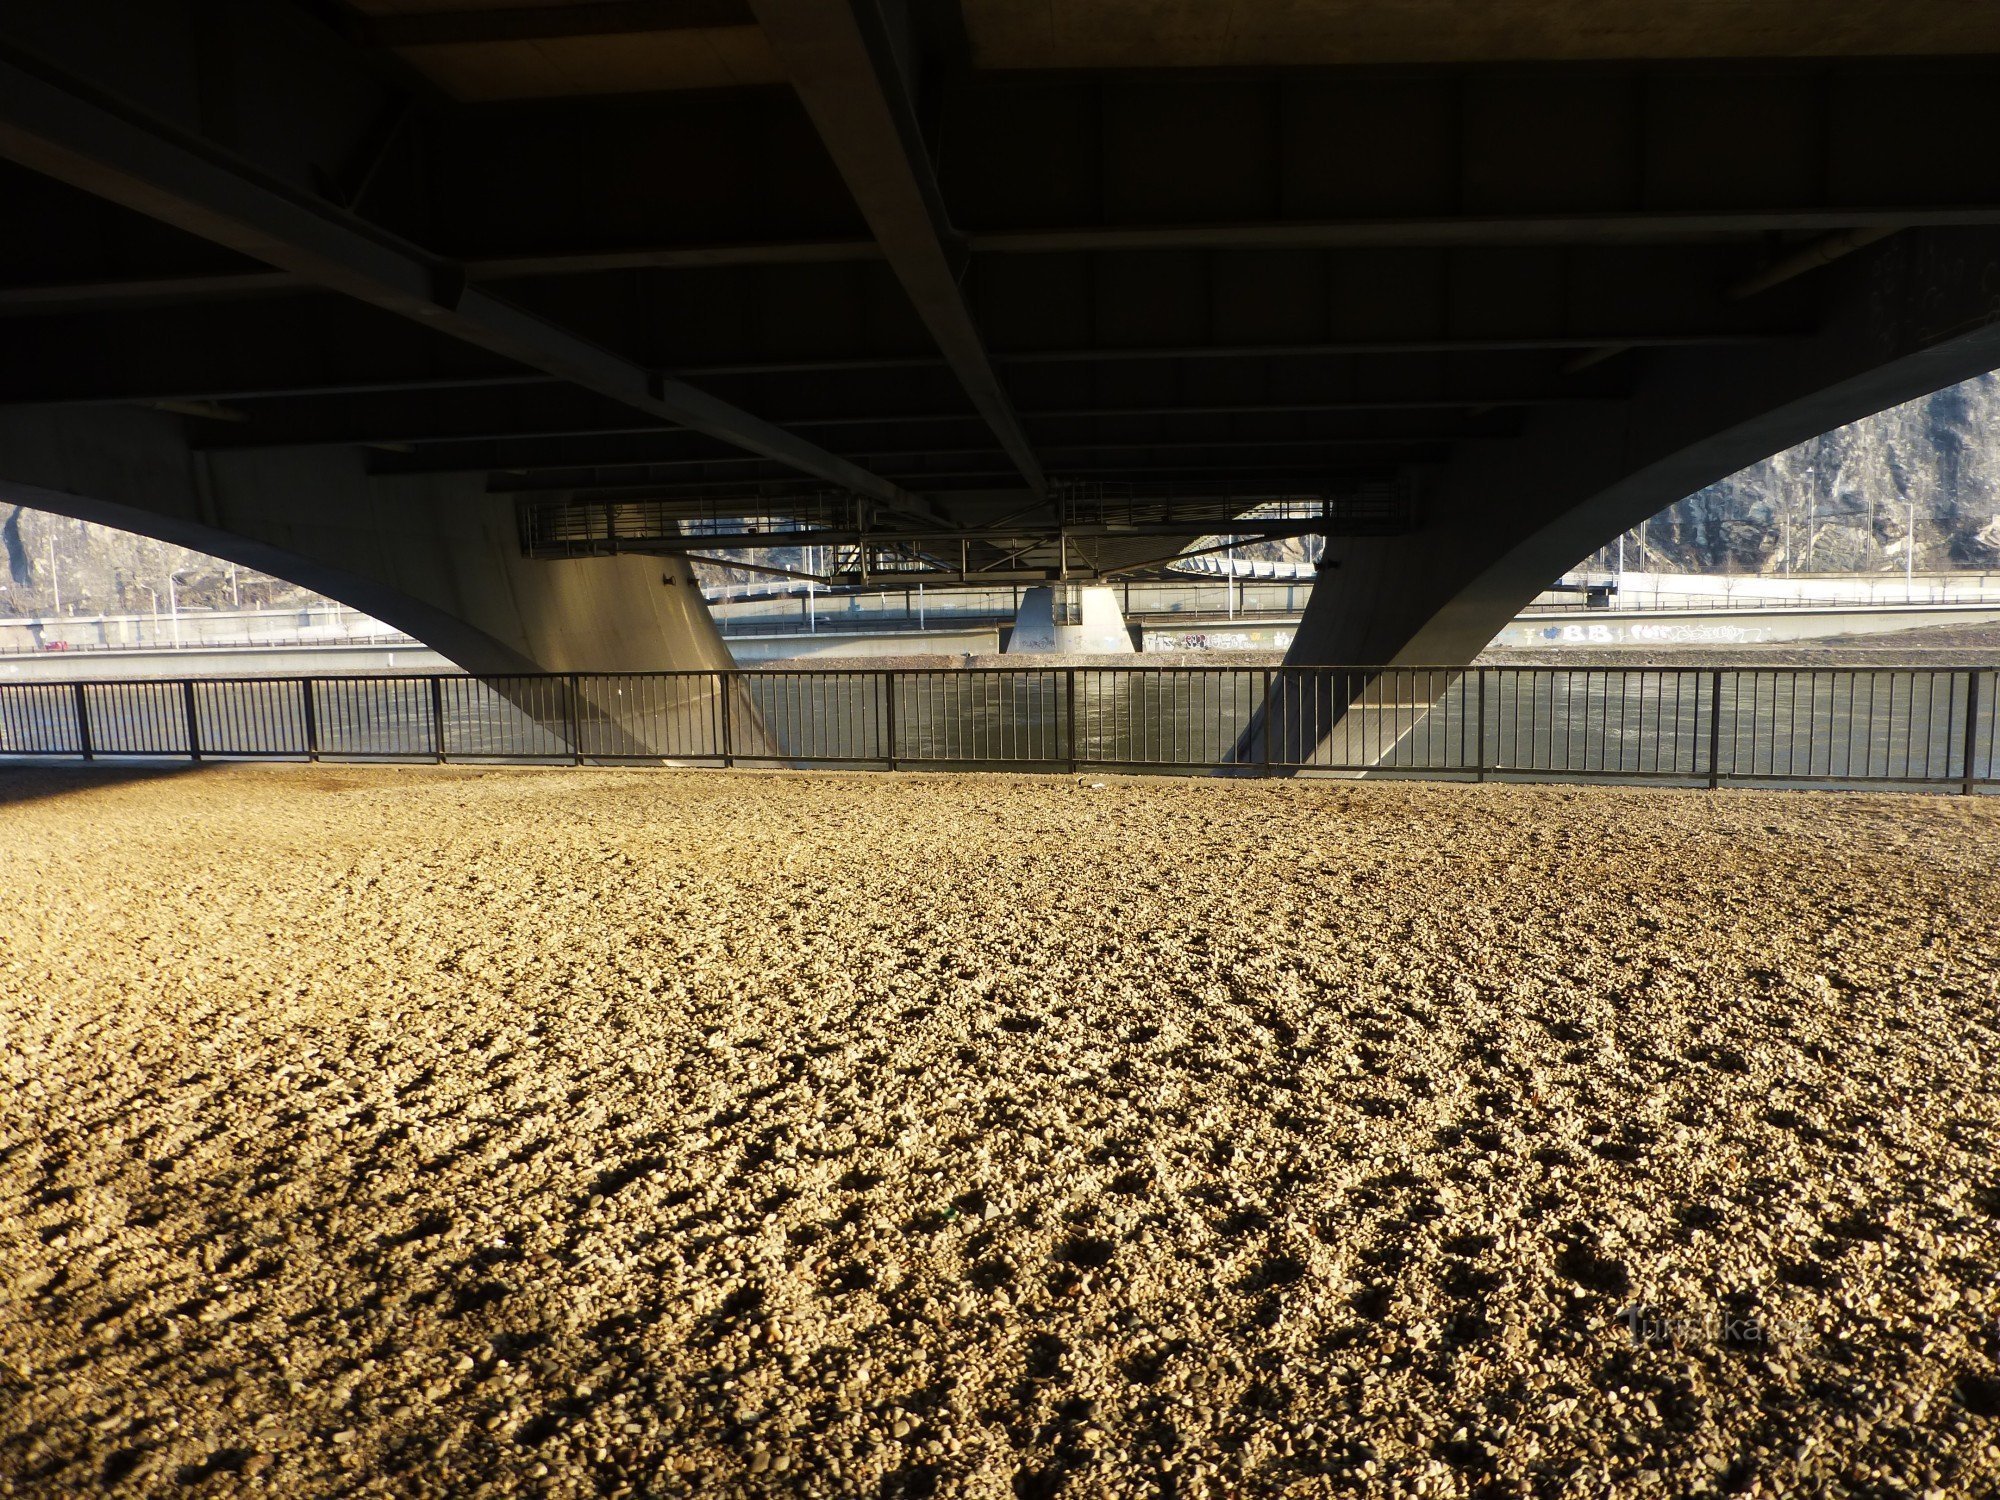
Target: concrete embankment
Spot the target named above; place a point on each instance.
(217, 661)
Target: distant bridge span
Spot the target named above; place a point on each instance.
(963, 291)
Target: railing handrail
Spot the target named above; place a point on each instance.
(781, 669)
(1917, 723)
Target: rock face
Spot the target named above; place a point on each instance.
(48, 560)
(1842, 503)
(447, 1132)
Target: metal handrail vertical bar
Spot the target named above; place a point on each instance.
(1969, 771)
(1264, 738)
(1479, 730)
(725, 688)
(309, 715)
(1715, 728)
(889, 719)
(1069, 713)
(83, 744)
(437, 719)
(193, 720)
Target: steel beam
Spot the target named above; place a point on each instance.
(413, 429)
(1407, 234)
(1475, 231)
(765, 495)
(223, 378)
(530, 23)
(229, 286)
(990, 476)
(1246, 530)
(313, 346)
(610, 461)
(1116, 354)
(141, 291)
(48, 126)
(521, 266)
(840, 59)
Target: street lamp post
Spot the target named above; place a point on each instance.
(1812, 514)
(1910, 554)
(174, 609)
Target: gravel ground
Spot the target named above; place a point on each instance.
(433, 1132)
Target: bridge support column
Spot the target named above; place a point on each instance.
(435, 556)
(1069, 620)
(1505, 517)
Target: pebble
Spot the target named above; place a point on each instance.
(1323, 1114)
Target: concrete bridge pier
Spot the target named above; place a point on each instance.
(432, 555)
(1071, 619)
(1503, 517)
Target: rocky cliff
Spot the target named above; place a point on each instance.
(1844, 502)
(46, 559)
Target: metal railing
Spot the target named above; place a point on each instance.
(1843, 726)
(1667, 603)
(385, 639)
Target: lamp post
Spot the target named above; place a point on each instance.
(174, 608)
(1812, 513)
(1910, 554)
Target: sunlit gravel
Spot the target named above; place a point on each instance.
(458, 1132)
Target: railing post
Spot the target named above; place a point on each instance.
(889, 718)
(193, 721)
(1479, 729)
(83, 745)
(1069, 713)
(311, 718)
(575, 737)
(726, 688)
(1264, 737)
(1971, 730)
(1715, 728)
(437, 719)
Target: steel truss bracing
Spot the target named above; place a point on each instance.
(1081, 532)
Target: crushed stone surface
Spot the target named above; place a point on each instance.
(601, 1133)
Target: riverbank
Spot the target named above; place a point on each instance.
(446, 1132)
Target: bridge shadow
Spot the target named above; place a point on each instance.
(29, 781)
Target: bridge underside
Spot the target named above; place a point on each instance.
(488, 319)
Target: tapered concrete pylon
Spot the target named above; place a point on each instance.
(1080, 620)
(436, 556)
